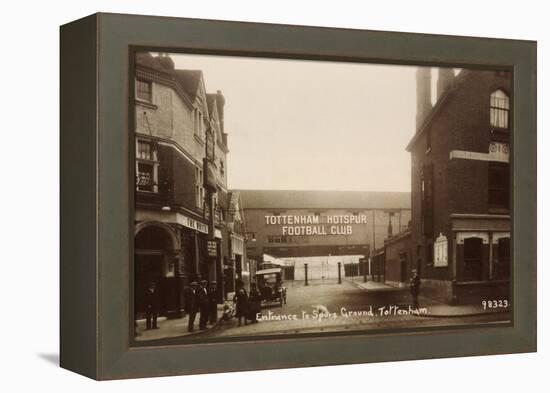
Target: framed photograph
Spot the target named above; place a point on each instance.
(253, 196)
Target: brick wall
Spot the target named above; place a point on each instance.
(398, 263)
(462, 122)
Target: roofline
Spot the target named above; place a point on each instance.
(327, 207)
(167, 79)
(435, 110)
(458, 80)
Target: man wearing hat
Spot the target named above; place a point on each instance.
(203, 304)
(191, 305)
(212, 303)
(152, 304)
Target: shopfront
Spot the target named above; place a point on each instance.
(171, 251)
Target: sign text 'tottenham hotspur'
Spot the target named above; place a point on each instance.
(311, 225)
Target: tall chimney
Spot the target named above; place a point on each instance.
(220, 102)
(445, 79)
(423, 95)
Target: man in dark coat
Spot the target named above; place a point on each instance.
(152, 304)
(254, 303)
(191, 305)
(414, 285)
(212, 303)
(241, 304)
(204, 304)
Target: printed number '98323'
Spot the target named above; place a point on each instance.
(502, 303)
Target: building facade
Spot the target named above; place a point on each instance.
(180, 181)
(239, 269)
(460, 232)
(297, 226)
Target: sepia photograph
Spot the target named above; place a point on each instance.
(291, 197)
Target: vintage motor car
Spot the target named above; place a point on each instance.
(270, 286)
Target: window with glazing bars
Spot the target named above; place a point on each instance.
(500, 109)
(144, 90)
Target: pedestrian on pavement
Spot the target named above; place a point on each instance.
(152, 304)
(254, 303)
(191, 305)
(212, 303)
(203, 303)
(241, 304)
(414, 285)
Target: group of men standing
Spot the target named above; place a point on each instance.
(200, 299)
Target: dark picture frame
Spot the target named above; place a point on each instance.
(97, 161)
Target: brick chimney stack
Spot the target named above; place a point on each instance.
(423, 95)
(445, 80)
(220, 102)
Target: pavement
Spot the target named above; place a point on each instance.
(435, 309)
(177, 327)
(328, 306)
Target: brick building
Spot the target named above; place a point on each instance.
(397, 259)
(180, 181)
(460, 184)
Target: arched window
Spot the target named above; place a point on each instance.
(500, 108)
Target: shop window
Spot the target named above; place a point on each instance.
(502, 262)
(500, 108)
(144, 90)
(499, 185)
(473, 257)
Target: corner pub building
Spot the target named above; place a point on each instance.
(461, 185)
(179, 135)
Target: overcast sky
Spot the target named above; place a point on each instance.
(312, 125)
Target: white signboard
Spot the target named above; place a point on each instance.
(440, 251)
(311, 225)
(498, 152)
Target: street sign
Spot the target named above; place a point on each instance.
(212, 248)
